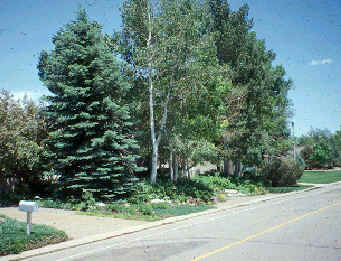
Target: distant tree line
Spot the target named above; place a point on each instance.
(321, 148)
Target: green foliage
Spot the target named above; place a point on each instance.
(90, 144)
(251, 185)
(256, 107)
(283, 172)
(192, 152)
(136, 211)
(13, 237)
(179, 64)
(161, 205)
(21, 132)
(305, 153)
(88, 198)
(56, 203)
(321, 155)
(321, 148)
(146, 209)
(165, 189)
(217, 182)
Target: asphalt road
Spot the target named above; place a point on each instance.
(305, 226)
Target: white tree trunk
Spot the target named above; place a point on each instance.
(155, 155)
(170, 165)
(151, 108)
(155, 138)
(176, 167)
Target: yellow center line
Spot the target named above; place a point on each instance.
(264, 232)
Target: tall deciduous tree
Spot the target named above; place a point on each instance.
(21, 133)
(257, 107)
(91, 145)
(164, 42)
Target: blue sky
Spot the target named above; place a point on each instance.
(305, 35)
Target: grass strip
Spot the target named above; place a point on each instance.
(287, 189)
(158, 213)
(321, 177)
(13, 237)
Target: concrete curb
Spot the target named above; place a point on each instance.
(91, 239)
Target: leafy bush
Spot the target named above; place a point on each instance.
(321, 154)
(218, 183)
(146, 209)
(13, 238)
(248, 184)
(283, 172)
(165, 189)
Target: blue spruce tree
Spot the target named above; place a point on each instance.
(90, 146)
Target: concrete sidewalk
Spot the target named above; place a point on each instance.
(84, 229)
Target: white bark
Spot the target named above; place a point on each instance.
(176, 167)
(155, 138)
(170, 165)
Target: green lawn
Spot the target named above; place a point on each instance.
(13, 238)
(321, 177)
(287, 189)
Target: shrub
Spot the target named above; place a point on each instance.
(145, 209)
(219, 182)
(116, 207)
(165, 189)
(321, 154)
(306, 153)
(283, 172)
